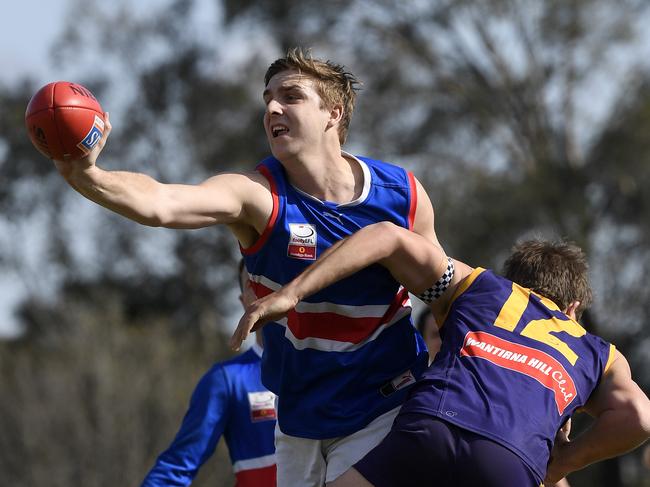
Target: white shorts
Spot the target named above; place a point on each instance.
(302, 462)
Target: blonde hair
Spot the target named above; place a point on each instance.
(333, 83)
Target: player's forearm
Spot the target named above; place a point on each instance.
(613, 433)
(129, 194)
(412, 260)
(370, 245)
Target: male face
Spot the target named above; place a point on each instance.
(295, 121)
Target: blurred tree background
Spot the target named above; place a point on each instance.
(521, 118)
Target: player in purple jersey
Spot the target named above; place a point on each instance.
(229, 400)
(308, 107)
(428, 328)
(513, 366)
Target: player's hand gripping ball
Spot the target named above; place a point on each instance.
(64, 120)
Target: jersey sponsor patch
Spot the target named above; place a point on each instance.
(302, 241)
(526, 360)
(262, 406)
(399, 382)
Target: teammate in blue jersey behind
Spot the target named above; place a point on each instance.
(339, 387)
(229, 400)
(513, 366)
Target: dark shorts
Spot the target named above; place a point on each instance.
(422, 450)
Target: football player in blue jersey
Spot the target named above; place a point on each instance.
(229, 400)
(513, 366)
(285, 214)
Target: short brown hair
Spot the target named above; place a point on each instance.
(556, 270)
(333, 83)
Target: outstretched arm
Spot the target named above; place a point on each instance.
(234, 199)
(413, 260)
(622, 412)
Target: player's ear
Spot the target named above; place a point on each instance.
(336, 114)
(572, 309)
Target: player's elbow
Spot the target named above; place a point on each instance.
(142, 215)
(162, 209)
(385, 238)
(149, 217)
(637, 411)
(158, 218)
(162, 206)
(643, 415)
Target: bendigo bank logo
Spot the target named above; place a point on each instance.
(302, 241)
(525, 360)
(262, 406)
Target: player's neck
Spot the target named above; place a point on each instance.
(329, 176)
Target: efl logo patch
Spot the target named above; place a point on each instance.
(262, 406)
(93, 136)
(302, 241)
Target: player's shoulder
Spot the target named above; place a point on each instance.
(479, 278)
(238, 178)
(231, 368)
(257, 174)
(386, 174)
(245, 358)
(377, 163)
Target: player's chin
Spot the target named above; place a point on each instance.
(283, 149)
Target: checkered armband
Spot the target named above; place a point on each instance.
(440, 286)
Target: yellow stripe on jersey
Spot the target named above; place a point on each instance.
(460, 289)
(512, 309)
(610, 359)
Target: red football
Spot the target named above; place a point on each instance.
(64, 119)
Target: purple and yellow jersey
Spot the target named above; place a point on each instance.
(512, 367)
(345, 355)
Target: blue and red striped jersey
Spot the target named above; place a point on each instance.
(346, 354)
(229, 400)
(512, 367)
